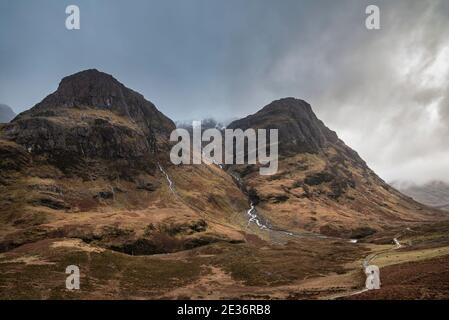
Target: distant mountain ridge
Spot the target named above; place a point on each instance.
(434, 193)
(6, 113)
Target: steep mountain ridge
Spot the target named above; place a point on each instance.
(91, 161)
(299, 128)
(322, 185)
(92, 116)
(94, 89)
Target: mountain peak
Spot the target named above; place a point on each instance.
(293, 107)
(90, 88)
(288, 103)
(94, 89)
(89, 79)
(94, 115)
(299, 128)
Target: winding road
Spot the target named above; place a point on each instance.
(365, 264)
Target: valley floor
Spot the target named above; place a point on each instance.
(301, 268)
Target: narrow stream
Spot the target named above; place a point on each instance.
(275, 232)
(253, 217)
(170, 183)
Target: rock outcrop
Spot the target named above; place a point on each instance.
(299, 128)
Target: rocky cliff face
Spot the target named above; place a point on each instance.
(299, 128)
(97, 90)
(300, 131)
(92, 116)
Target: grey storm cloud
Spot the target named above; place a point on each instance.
(385, 92)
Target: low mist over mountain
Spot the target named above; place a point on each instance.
(434, 193)
(206, 123)
(6, 113)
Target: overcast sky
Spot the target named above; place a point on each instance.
(385, 92)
